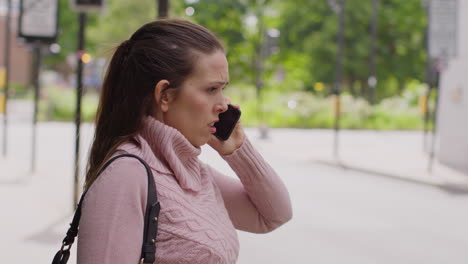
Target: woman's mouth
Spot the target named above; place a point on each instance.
(212, 128)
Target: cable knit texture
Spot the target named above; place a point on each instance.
(200, 207)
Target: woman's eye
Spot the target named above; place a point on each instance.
(215, 89)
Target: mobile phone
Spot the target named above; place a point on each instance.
(227, 122)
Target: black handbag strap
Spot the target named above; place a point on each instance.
(148, 250)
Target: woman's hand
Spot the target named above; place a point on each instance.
(234, 141)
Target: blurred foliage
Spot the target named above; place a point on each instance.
(59, 104)
(311, 30)
(307, 41)
(304, 68)
(117, 23)
(302, 109)
(299, 109)
(19, 91)
(104, 30)
(67, 33)
(226, 19)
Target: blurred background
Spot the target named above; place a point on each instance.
(360, 105)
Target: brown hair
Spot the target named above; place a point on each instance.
(165, 49)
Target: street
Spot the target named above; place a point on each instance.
(340, 216)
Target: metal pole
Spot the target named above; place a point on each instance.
(338, 72)
(37, 71)
(79, 94)
(429, 82)
(258, 79)
(372, 76)
(434, 125)
(259, 70)
(163, 8)
(6, 59)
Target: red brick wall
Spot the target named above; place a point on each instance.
(20, 56)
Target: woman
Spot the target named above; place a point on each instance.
(161, 96)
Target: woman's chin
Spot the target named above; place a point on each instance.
(200, 142)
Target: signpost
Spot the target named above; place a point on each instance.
(38, 24)
(38, 20)
(442, 43)
(443, 29)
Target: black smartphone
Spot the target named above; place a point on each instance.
(227, 122)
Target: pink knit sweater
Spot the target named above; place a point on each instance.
(200, 207)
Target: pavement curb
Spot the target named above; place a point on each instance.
(432, 180)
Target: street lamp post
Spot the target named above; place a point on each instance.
(339, 8)
(259, 57)
(79, 94)
(163, 8)
(372, 81)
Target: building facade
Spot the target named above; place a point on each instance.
(20, 55)
(452, 119)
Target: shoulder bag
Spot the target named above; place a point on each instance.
(148, 249)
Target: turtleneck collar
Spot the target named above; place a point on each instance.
(174, 150)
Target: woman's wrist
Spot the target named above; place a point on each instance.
(230, 152)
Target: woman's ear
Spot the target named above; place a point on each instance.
(161, 95)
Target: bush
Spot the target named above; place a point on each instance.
(19, 91)
(306, 110)
(287, 109)
(60, 104)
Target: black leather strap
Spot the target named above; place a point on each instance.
(148, 249)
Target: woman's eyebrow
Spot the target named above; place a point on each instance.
(219, 82)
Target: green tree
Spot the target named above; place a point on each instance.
(67, 33)
(401, 43)
(311, 30)
(226, 18)
(118, 22)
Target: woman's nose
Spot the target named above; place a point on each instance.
(223, 107)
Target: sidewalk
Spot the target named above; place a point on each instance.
(38, 206)
(396, 154)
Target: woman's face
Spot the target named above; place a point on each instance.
(200, 99)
